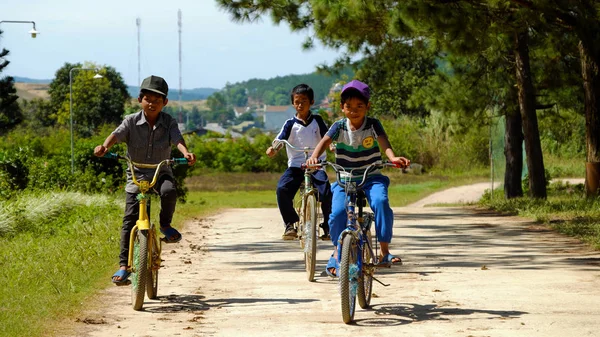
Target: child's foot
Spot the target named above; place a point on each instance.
(325, 229)
(389, 259)
(171, 234)
(290, 232)
(120, 277)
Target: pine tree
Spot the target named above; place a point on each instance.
(10, 112)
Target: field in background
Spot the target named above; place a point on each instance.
(29, 91)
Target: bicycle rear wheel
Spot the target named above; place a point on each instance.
(365, 282)
(154, 264)
(310, 236)
(140, 269)
(349, 275)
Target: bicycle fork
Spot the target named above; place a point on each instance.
(143, 224)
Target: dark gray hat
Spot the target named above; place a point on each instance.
(156, 84)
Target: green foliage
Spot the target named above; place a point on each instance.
(10, 111)
(14, 174)
(95, 101)
(235, 155)
(37, 113)
(439, 142)
(394, 71)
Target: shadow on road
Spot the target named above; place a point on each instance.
(406, 313)
(194, 303)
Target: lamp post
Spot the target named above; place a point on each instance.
(71, 109)
(33, 31)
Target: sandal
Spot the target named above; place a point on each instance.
(332, 264)
(171, 234)
(389, 260)
(123, 275)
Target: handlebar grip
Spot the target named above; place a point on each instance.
(180, 161)
(111, 155)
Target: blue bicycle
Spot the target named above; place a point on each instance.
(357, 255)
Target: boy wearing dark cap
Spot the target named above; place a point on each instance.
(149, 135)
(359, 143)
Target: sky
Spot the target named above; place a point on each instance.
(215, 50)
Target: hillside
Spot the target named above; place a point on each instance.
(258, 89)
(29, 91)
(186, 94)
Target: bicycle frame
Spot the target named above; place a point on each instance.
(308, 212)
(308, 185)
(143, 222)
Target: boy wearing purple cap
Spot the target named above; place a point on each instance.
(359, 143)
(149, 135)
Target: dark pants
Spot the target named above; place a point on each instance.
(165, 187)
(288, 185)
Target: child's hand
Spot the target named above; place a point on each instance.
(191, 158)
(401, 161)
(312, 161)
(100, 150)
(271, 152)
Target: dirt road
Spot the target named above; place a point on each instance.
(465, 273)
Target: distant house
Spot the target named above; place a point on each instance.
(215, 127)
(275, 115)
(243, 126)
(240, 110)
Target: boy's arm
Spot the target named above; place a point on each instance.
(323, 144)
(101, 150)
(384, 145)
(191, 158)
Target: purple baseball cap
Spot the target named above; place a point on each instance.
(359, 86)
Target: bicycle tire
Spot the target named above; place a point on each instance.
(300, 206)
(348, 277)
(154, 262)
(310, 236)
(140, 269)
(365, 282)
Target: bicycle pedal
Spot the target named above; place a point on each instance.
(124, 283)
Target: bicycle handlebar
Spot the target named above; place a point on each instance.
(339, 170)
(132, 164)
(277, 145)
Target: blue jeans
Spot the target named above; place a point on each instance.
(376, 191)
(288, 185)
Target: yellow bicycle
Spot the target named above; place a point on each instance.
(144, 244)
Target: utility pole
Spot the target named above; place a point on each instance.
(180, 107)
(138, 23)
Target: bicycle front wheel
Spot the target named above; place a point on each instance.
(365, 281)
(154, 264)
(310, 236)
(349, 275)
(140, 269)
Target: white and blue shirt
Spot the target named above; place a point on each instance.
(302, 135)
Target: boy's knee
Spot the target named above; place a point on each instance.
(379, 201)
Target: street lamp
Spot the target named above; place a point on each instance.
(33, 32)
(71, 109)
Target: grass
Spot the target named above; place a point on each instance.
(566, 209)
(59, 249)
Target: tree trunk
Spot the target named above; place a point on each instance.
(533, 147)
(513, 152)
(591, 87)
